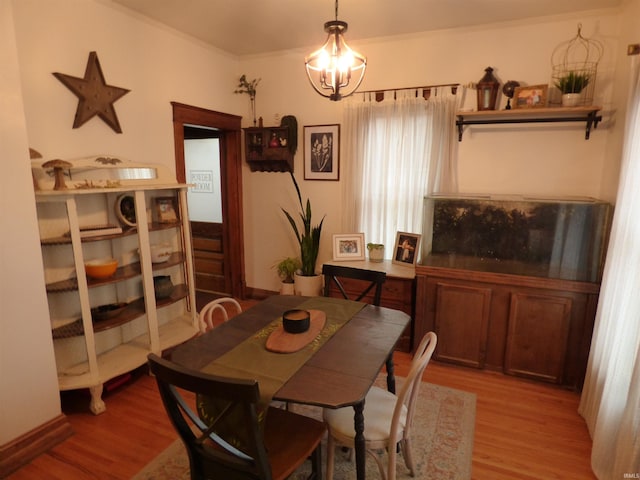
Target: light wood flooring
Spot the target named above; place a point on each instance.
(524, 430)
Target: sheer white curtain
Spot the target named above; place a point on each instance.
(610, 400)
(396, 151)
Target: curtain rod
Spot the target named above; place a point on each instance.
(426, 90)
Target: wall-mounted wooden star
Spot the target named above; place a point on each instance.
(95, 96)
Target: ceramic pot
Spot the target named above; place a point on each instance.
(376, 254)
(286, 288)
(162, 286)
(570, 99)
(308, 286)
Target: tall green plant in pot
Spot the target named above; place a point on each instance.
(308, 235)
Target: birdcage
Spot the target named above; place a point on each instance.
(574, 66)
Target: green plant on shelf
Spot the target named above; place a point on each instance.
(572, 82)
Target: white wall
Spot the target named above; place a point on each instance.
(157, 65)
(26, 349)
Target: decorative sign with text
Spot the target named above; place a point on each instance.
(202, 181)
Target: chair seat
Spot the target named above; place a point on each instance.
(378, 412)
(288, 435)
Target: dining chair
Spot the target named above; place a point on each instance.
(206, 314)
(253, 449)
(370, 279)
(387, 418)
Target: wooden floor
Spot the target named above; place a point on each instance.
(524, 430)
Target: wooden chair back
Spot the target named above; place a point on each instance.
(252, 449)
(372, 280)
(206, 313)
(408, 395)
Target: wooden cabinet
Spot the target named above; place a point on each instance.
(397, 291)
(90, 351)
(268, 149)
(526, 326)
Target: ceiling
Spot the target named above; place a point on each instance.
(249, 27)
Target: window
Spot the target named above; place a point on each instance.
(397, 151)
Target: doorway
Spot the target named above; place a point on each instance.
(217, 242)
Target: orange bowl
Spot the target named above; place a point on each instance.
(101, 268)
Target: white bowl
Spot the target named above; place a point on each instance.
(161, 252)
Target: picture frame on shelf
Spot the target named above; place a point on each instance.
(533, 96)
(322, 152)
(406, 248)
(166, 211)
(348, 246)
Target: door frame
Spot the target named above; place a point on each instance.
(230, 182)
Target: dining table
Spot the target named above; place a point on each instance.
(334, 373)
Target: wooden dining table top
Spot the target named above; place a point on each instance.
(339, 374)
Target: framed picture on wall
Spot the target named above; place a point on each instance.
(348, 246)
(322, 152)
(406, 249)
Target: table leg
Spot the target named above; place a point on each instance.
(391, 379)
(358, 422)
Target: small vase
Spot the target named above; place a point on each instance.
(162, 286)
(376, 254)
(570, 99)
(286, 288)
(274, 143)
(310, 286)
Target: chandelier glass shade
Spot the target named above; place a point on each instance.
(335, 70)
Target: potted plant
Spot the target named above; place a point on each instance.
(249, 87)
(286, 269)
(571, 85)
(308, 283)
(376, 252)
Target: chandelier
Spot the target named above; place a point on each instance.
(335, 66)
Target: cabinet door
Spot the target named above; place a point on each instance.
(537, 338)
(461, 323)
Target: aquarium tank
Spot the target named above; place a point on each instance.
(563, 238)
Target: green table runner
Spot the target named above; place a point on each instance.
(251, 360)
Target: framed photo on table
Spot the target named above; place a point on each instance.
(322, 152)
(534, 96)
(406, 249)
(348, 246)
(166, 210)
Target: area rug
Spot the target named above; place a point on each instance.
(442, 438)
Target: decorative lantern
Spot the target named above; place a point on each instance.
(488, 91)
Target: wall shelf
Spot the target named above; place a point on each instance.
(268, 149)
(587, 114)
